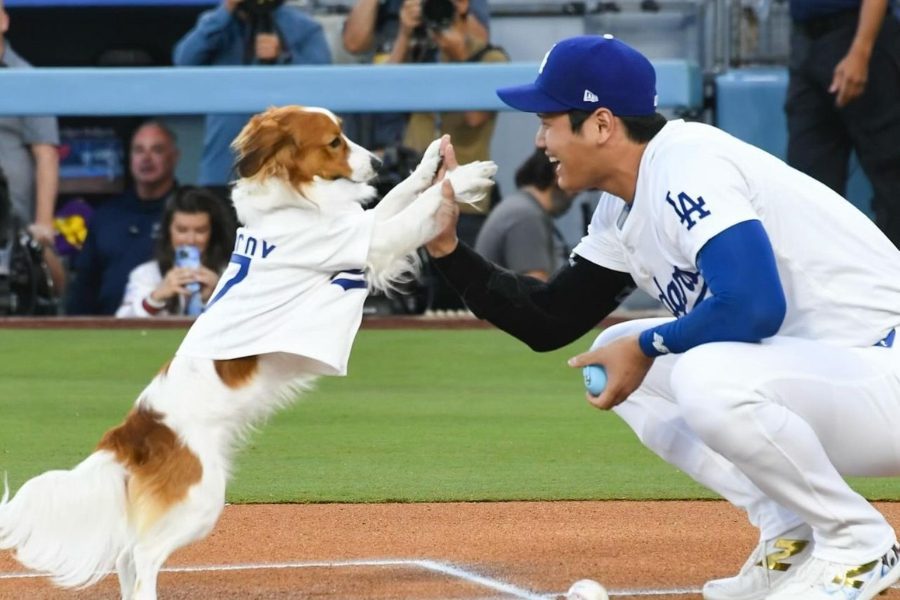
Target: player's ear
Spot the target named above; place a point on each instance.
(603, 122)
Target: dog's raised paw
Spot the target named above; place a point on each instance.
(428, 166)
(472, 181)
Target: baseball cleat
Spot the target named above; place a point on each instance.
(820, 579)
(768, 565)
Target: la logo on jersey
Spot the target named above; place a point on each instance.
(688, 209)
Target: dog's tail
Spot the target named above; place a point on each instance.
(69, 524)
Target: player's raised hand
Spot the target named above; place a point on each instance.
(448, 214)
(626, 366)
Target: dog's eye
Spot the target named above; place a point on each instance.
(335, 143)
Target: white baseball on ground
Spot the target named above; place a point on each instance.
(587, 589)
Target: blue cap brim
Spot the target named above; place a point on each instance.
(530, 98)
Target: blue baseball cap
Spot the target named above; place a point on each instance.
(588, 72)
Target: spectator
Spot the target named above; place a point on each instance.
(122, 230)
(28, 156)
(392, 32)
(520, 234)
(238, 33)
(843, 94)
(194, 217)
(471, 131)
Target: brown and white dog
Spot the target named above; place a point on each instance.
(157, 481)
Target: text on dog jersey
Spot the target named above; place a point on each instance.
(247, 245)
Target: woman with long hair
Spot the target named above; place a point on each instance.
(195, 222)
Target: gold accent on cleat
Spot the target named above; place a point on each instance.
(848, 578)
(788, 548)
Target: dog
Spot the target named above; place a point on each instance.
(285, 312)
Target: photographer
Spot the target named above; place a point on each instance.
(446, 22)
(28, 155)
(32, 277)
(392, 32)
(246, 32)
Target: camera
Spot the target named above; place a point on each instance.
(257, 8)
(259, 16)
(437, 15)
(25, 284)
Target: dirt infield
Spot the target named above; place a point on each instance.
(459, 551)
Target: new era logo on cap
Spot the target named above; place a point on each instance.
(585, 73)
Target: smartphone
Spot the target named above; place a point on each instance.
(189, 257)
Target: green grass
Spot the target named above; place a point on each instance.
(422, 416)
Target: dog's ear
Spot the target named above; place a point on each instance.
(258, 143)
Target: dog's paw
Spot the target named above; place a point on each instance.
(424, 173)
(472, 181)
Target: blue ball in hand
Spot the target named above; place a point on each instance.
(594, 379)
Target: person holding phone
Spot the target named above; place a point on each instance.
(195, 243)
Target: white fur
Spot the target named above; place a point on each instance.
(75, 525)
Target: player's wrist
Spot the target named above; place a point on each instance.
(442, 248)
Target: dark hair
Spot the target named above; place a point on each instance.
(537, 170)
(193, 200)
(638, 129)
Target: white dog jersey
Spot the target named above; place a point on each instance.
(696, 181)
(295, 284)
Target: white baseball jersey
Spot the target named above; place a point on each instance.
(295, 284)
(841, 275)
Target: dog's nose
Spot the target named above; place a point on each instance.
(376, 162)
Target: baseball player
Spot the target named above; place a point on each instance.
(778, 373)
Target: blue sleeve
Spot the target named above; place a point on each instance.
(747, 302)
(200, 44)
(303, 37)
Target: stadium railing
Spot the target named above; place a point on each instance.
(342, 88)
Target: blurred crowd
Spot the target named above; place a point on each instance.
(121, 255)
(158, 246)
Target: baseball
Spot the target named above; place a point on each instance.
(594, 379)
(587, 589)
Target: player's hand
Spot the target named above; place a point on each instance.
(448, 158)
(410, 16)
(626, 366)
(268, 46)
(850, 77)
(448, 214)
(208, 280)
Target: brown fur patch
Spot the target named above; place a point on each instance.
(237, 372)
(293, 144)
(161, 467)
(164, 370)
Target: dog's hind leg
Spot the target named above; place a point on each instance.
(188, 521)
(126, 572)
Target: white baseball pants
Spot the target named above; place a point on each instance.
(772, 427)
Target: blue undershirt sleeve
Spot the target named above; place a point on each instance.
(747, 301)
